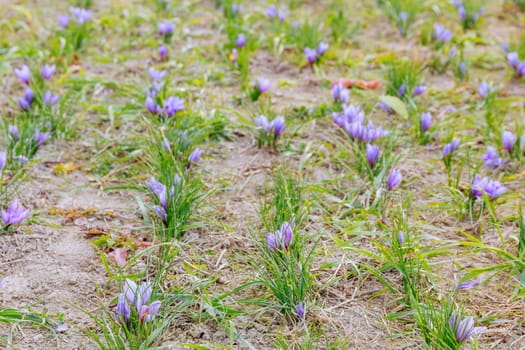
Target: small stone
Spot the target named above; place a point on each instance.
(60, 327)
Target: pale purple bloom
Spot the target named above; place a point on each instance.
(492, 188)
(24, 74)
(426, 121)
(234, 55)
(163, 52)
(166, 28)
(241, 41)
(300, 310)
(195, 155)
(372, 154)
(484, 89)
(47, 71)
(521, 69)
(262, 85)
(340, 93)
(419, 90)
(23, 104)
(509, 140)
(492, 159)
(403, 16)
(463, 68)
(63, 21)
(158, 188)
(452, 51)
(322, 48)
(505, 47)
(3, 160)
(22, 160)
(29, 95)
(441, 33)
(280, 239)
(385, 107)
(462, 12)
(50, 99)
(278, 126)
(40, 137)
(236, 9)
(513, 59)
(463, 327)
(4, 281)
(468, 284)
(161, 212)
(262, 122)
(401, 237)
(156, 75)
(394, 179)
(271, 12)
(151, 105)
(401, 91)
(148, 312)
(137, 295)
(173, 105)
(123, 310)
(451, 147)
(13, 132)
(14, 214)
(282, 15)
(166, 145)
(81, 15)
(311, 54)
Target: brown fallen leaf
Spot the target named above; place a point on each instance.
(360, 83)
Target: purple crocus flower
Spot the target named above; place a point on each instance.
(24, 74)
(278, 126)
(161, 212)
(300, 310)
(322, 48)
(339, 93)
(13, 132)
(3, 160)
(401, 91)
(163, 52)
(173, 105)
(394, 179)
(50, 99)
(385, 107)
(462, 12)
(148, 312)
(492, 188)
(468, 284)
(29, 95)
(47, 71)
(23, 104)
(81, 15)
(14, 214)
(262, 122)
(505, 47)
(271, 11)
(282, 15)
(513, 59)
(40, 137)
(451, 147)
(372, 154)
(311, 54)
(4, 281)
(441, 33)
(463, 327)
(401, 237)
(63, 21)
(426, 120)
(155, 186)
(509, 140)
(419, 90)
(123, 310)
(166, 145)
(236, 9)
(151, 105)
(195, 155)
(280, 239)
(137, 295)
(156, 75)
(166, 28)
(241, 41)
(262, 85)
(492, 159)
(521, 69)
(484, 89)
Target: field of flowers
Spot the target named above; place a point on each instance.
(295, 174)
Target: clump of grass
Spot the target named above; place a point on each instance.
(401, 12)
(284, 253)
